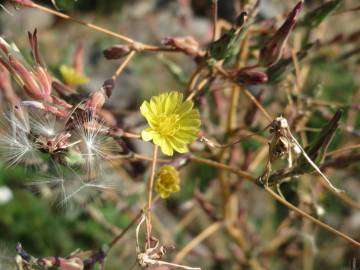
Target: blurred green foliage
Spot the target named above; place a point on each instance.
(51, 230)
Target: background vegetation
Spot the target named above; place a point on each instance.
(317, 75)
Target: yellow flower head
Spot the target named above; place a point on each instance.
(174, 123)
(72, 77)
(167, 181)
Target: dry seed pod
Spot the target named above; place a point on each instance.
(271, 53)
(116, 52)
(248, 76)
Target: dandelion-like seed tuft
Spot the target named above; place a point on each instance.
(16, 145)
(174, 123)
(95, 146)
(43, 123)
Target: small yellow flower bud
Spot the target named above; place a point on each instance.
(167, 181)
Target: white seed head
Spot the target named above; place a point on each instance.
(94, 145)
(282, 122)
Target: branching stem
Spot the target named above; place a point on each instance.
(123, 65)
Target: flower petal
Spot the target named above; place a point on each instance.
(172, 101)
(166, 148)
(147, 134)
(184, 108)
(194, 123)
(144, 108)
(179, 147)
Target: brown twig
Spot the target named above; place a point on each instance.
(90, 25)
(197, 240)
(214, 11)
(139, 45)
(247, 93)
(124, 231)
(247, 176)
(314, 220)
(123, 65)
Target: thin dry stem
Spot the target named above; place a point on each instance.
(123, 65)
(200, 87)
(214, 11)
(343, 197)
(124, 231)
(314, 220)
(150, 195)
(139, 45)
(197, 240)
(90, 25)
(257, 104)
(248, 94)
(324, 177)
(342, 150)
(247, 176)
(194, 77)
(222, 166)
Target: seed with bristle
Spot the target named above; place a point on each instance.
(15, 141)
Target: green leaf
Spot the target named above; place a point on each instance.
(174, 69)
(317, 149)
(281, 69)
(313, 18)
(224, 47)
(220, 48)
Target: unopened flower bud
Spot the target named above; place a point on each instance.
(35, 81)
(35, 47)
(63, 89)
(271, 53)
(6, 87)
(240, 20)
(44, 80)
(26, 3)
(56, 111)
(27, 80)
(96, 100)
(61, 102)
(108, 86)
(250, 115)
(248, 76)
(281, 69)
(188, 45)
(116, 52)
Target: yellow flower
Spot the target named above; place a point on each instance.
(72, 77)
(167, 181)
(174, 123)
